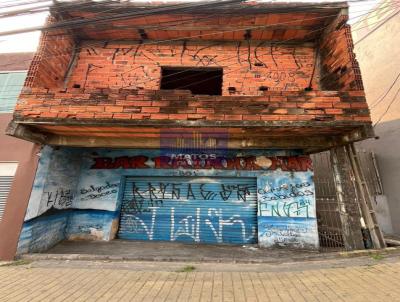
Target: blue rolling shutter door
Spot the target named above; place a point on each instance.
(199, 210)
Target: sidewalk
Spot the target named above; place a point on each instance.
(356, 279)
(120, 250)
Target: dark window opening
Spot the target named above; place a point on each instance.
(206, 81)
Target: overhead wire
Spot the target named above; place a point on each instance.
(275, 43)
(227, 72)
(387, 108)
(228, 58)
(377, 27)
(381, 98)
(181, 38)
(103, 19)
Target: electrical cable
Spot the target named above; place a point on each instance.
(380, 99)
(181, 38)
(103, 19)
(377, 27)
(387, 108)
(280, 42)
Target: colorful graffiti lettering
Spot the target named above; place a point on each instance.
(195, 161)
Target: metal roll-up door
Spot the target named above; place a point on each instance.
(201, 209)
(7, 172)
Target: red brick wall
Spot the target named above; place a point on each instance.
(246, 67)
(340, 69)
(133, 104)
(50, 63)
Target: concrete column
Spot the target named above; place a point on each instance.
(350, 214)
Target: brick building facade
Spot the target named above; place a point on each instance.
(187, 122)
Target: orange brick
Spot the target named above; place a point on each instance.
(113, 108)
(205, 110)
(103, 115)
(359, 105)
(306, 105)
(95, 108)
(270, 117)
(333, 111)
(233, 117)
(150, 109)
(122, 115)
(48, 114)
(280, 111)
(84, 115)
(341, 105)
(362, 118)
(177, 116)
(159, 116)
(255, 117)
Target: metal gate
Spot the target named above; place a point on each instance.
(328, 214)
(190, 209)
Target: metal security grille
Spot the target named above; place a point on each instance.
(328, 215)
(5, 186)
(200, 210)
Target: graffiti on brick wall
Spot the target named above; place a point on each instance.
(138, 66)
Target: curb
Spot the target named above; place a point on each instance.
(313, 257)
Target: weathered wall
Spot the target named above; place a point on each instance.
(52, 195)
(89, 207)
(247, 67)
(50, 64)
(25, 153)
(125, 104)
(378, 55)
(339, 67)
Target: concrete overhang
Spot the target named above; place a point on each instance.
(310, 137)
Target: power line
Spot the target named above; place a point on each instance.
(103, 19)
(233, 57)
(120, 16)
(157, 42)
(182, 38)
(380, 99)
(378, 26)
(172, 74)
(388, 107)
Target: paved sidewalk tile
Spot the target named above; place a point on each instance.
(378, 282)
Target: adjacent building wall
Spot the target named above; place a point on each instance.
(25, 154)
(377, 41)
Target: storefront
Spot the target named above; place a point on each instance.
(219, 197)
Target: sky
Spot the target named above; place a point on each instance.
(28, 41)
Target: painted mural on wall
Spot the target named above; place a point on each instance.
(287, 210)
(77, 195)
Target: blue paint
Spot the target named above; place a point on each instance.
(295, 232)
(201, 210)
(90, 224)
(90, 201)
(42, 233)
(287, 210)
